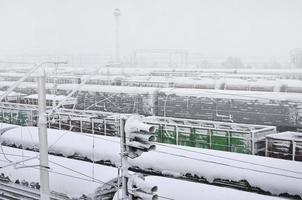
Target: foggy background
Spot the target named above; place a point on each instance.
(250, 29)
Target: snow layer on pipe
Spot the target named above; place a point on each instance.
(274, 175)
(73, 184)
(62, 180)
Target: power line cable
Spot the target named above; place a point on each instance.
(201, 153)
(60, 165)
(163, 197)
(227, 158)
(246, 162)
(64, 174)
(75, 171)
(228, 165)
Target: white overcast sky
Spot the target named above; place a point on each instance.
(209, 27)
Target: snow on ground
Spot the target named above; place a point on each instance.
(274, 175)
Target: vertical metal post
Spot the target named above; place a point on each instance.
(92, 126)
(230, 143)
(70, 127)
(177, 136)
(116, 14)
(105, 127)
(43, 144)
(210, 138)
(124, 161)
(294, 150)
(253, 142)
(81, 125)
(60, 126)
(266, 147)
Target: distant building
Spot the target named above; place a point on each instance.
(296, 58)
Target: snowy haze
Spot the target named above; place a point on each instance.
(210, 27)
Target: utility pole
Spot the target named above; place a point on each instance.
(43, 144)
(42, 125)
(124, 160)
(117, 14)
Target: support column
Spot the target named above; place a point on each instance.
(70, 128)
(92, 126)
(124, 160)
(266, 147)
(253, 142)
(60, 125)
(81, 125)
(177, 136)
(105, 127)
(294, 150)
(43, 144)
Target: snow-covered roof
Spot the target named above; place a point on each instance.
(12, 74)
(233, 71)
(263, 83)
(274, 175)
(110, 89)
(49, 97)
(11, 94)
(24, 84)
(217, 125)
(287, 135)
(234, 94)
(108, 77)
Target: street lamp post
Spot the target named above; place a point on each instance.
(117, 14)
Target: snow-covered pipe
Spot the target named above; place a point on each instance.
(273, 175)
